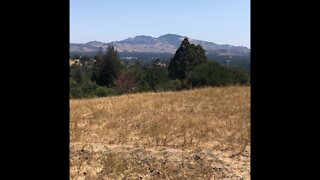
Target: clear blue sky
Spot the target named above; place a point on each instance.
(218, 21)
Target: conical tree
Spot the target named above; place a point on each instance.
(97, 68)
(107, 68)
(185, 59)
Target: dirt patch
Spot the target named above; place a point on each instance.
(99, 161)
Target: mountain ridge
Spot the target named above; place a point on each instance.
(167, 43)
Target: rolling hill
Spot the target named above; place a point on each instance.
(196, 134)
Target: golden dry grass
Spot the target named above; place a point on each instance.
(196, 134)
(177, 119)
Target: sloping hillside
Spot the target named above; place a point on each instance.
(196, 134)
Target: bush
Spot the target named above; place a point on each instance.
(144, 86)
(156, 77)
(173, 85)
(241, 76)
(88, 88)
(210, 74)
(76, 92)
(72, 82)
(103, 91)
(83, 90)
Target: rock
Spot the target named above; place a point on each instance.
(196, 157)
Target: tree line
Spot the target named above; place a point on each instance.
(106, 75)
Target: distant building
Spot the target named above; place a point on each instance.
(74, 61)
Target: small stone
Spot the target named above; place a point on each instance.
(196, 157)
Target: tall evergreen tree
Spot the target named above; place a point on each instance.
(185, 59)
(107, 67)
(98, 64)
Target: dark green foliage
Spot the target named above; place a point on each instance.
(83, 90)
(156, 77)
(80, 81)
(76, 92)
(88, 88)
(242, 61)
(210, 74)
(106, 75)
(144, 86)
(103, 91)
(77, 74)
(240, 76)
(185, 59)
(174, 85)
(80, 73)
(107, 67)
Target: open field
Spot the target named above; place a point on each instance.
(197, 134)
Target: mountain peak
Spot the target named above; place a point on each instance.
(141, 39)
(95, 43)
(173, 39)
(170, 36)
(143, 36)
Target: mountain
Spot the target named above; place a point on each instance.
(164, 44)
(172, 39)
(140, 40)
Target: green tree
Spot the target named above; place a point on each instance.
(185, 59)
(97, 66)
(81, 73)
(107, 67)
(77, 74)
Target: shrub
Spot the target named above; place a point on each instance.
(173, 85)
(103, 91)
(88, 88)
(210, 74)
(75, 92)
(240, 76)
(144, 86)
(156, 77)
(82, 90)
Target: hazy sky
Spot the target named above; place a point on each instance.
(218, 21)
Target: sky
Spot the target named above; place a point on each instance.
(218, 21)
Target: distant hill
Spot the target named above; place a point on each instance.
(149, 48)
(164, 44)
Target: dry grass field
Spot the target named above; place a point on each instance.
(195, 134)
